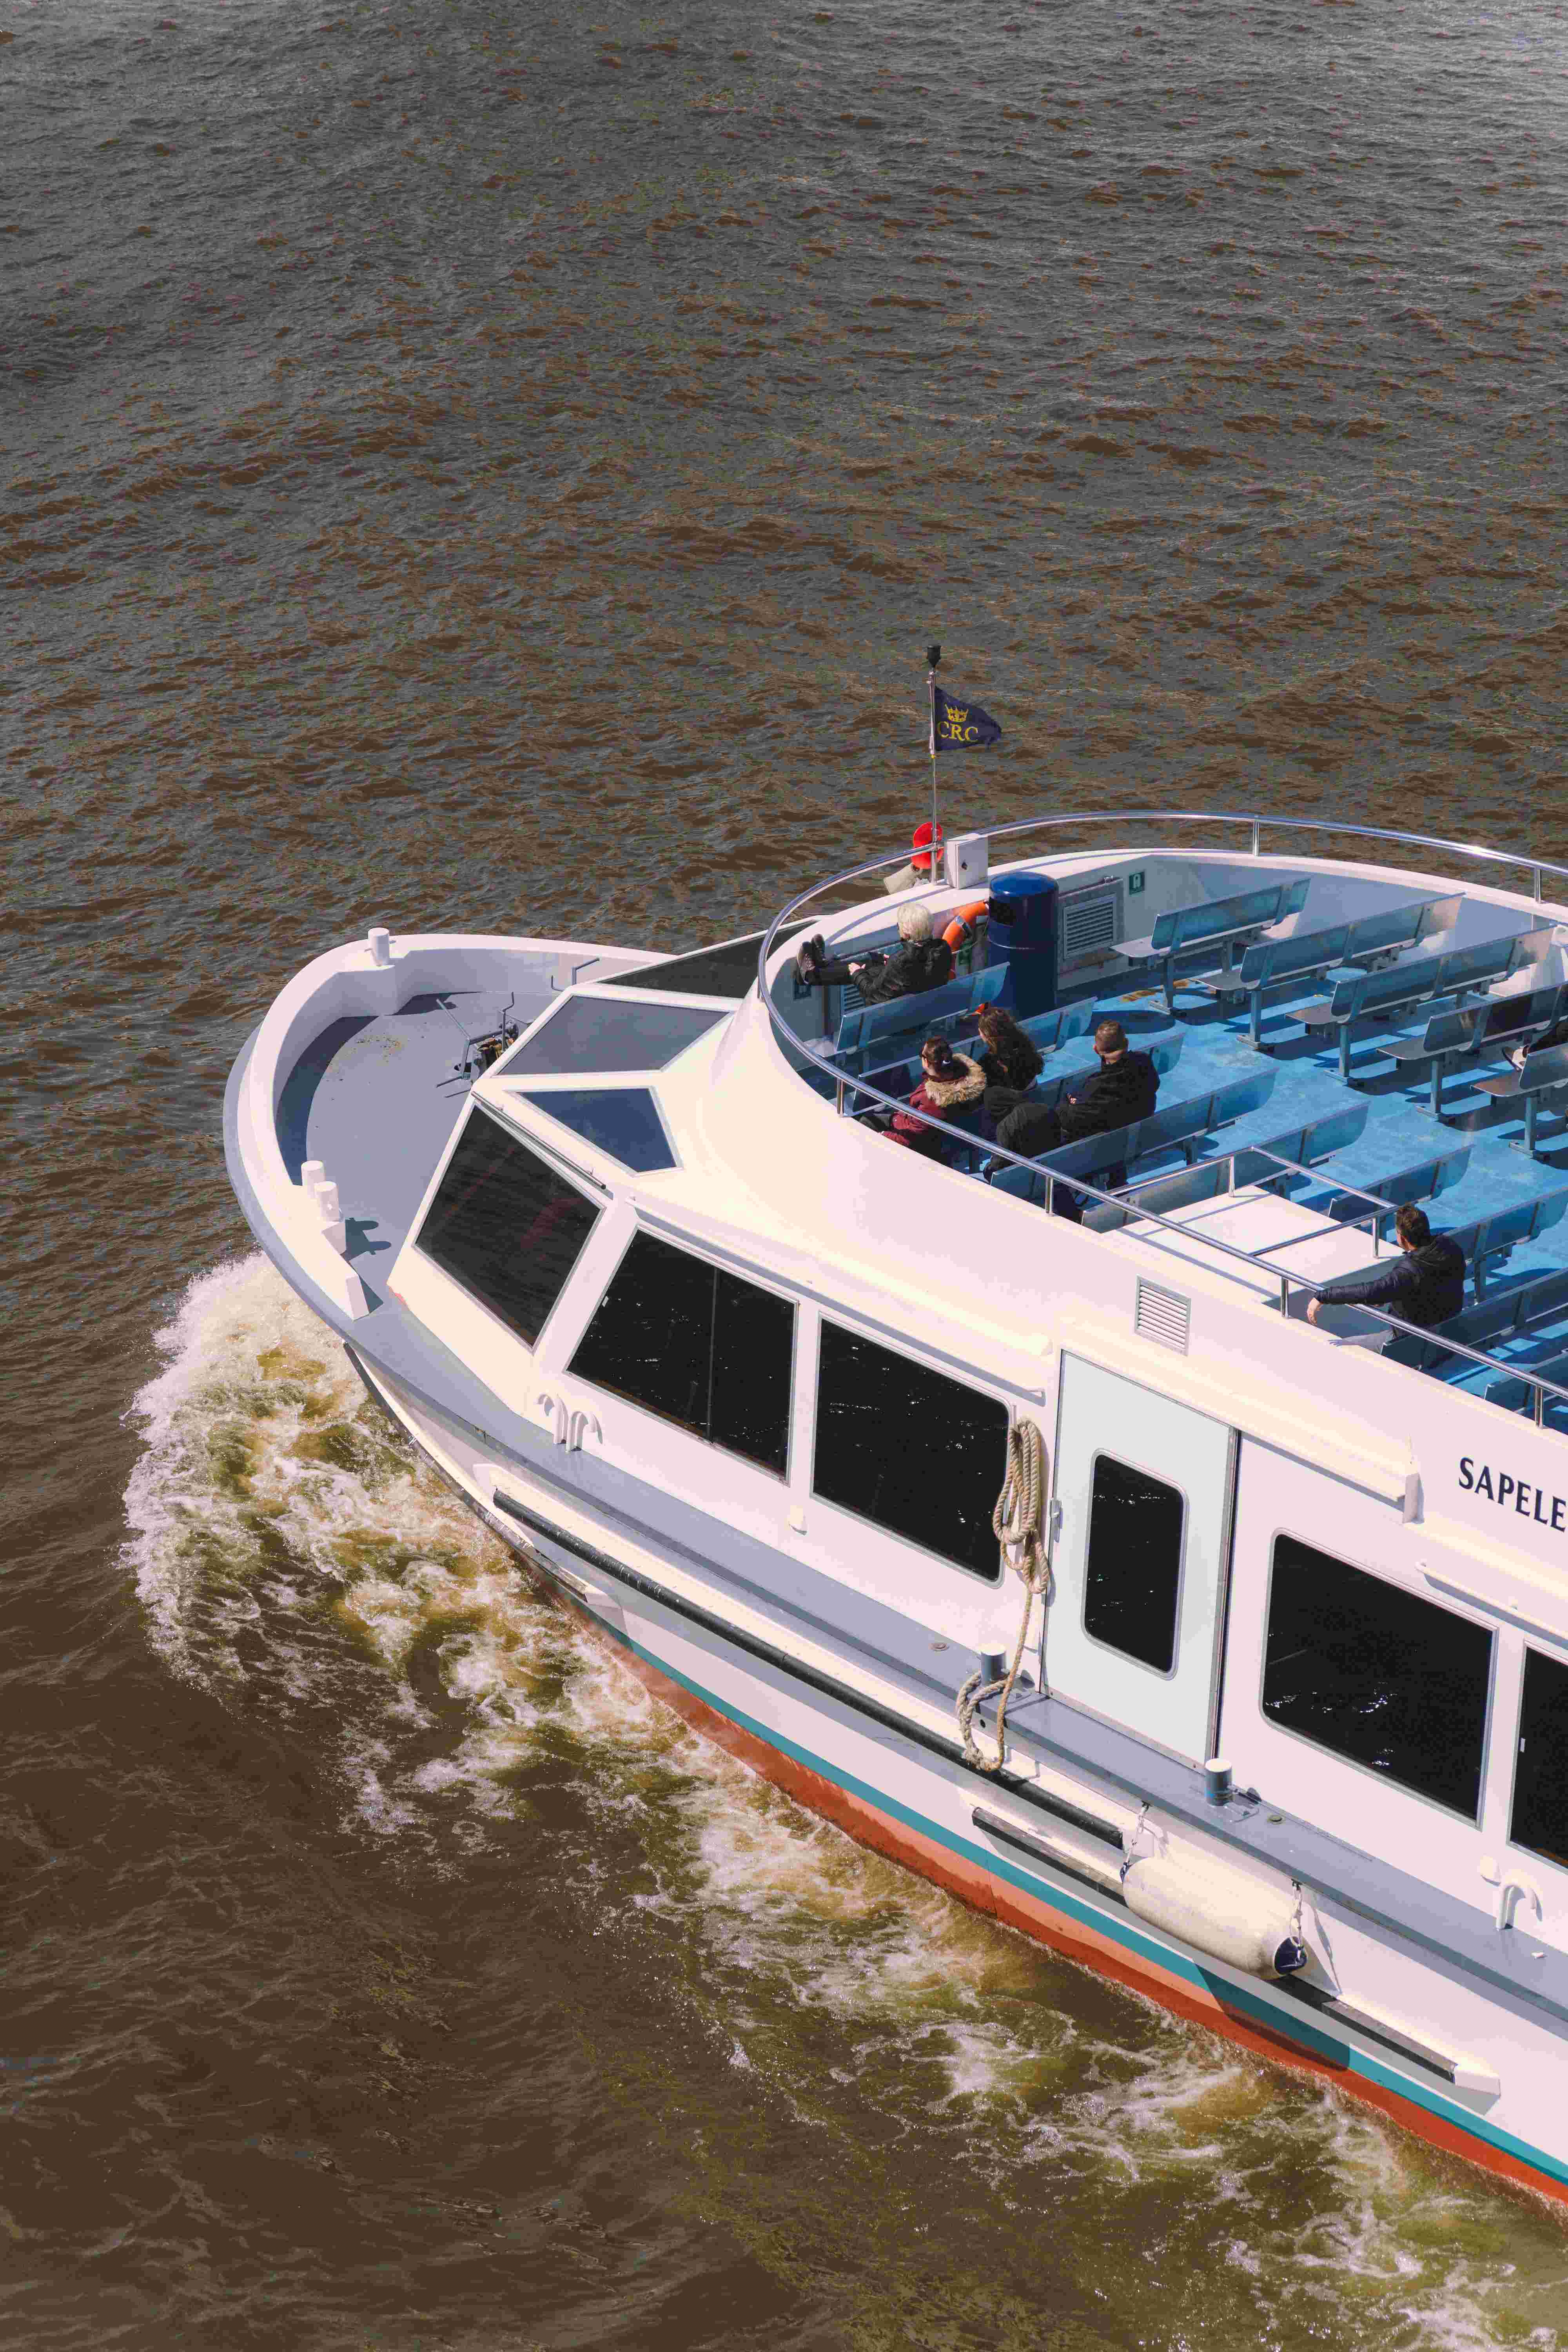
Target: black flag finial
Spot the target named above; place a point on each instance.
(933, 656)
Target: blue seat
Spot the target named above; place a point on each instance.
(1163, 1195)
(1359, 996)
(1268, 963)
(1400, 1155)
(1498, 1208)
(1048, 1029)
(1396, 929)
(883, 1028)
(1477, 1032)
(1024, 1183)
(1542, 1081)
(1095, 1155)
(1211, 925)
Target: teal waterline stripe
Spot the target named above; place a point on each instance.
(1312, 2038)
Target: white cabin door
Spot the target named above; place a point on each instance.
(1141, 1558)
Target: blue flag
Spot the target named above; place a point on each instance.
(960, 726)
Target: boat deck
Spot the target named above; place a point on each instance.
(375, 1099)
(1233, 1114)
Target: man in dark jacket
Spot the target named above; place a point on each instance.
(1123, 1090)
(918, 962)
(1425, 1285)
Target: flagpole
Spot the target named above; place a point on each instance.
(933, 655)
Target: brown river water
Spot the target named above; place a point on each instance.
(498, 468)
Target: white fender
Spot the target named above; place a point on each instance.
(1233, 1918)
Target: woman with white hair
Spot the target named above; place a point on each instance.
(918, 962)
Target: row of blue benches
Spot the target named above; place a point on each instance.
(1359, 996)
(1192, 934)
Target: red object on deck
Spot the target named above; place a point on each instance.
(922, 841)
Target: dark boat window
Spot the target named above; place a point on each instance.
(506, 1226)
(906, 1448)
(593, 1032)
(622, 1120)
(696, 1345)
(1540, 1818)
(1377, 1675)
(727, 971)
(1133, 1579)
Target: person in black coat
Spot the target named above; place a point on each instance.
(918, 962)
(1123, 1090)
(1425, 1285)
(1010, 1062)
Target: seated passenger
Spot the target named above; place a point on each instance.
(1010, 1063)
(1425, 1285)
(920, 962)
(1123, 1090)
(949, 1080)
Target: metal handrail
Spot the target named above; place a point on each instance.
(1081, 1185)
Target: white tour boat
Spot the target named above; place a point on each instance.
(616, 1240)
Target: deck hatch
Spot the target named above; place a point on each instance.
(588, 1034)
(1163, 1315)
(622, 1120)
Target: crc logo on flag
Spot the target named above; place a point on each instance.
(963, 725)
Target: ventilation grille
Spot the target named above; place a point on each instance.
(1090, 922)
(1164, 1316)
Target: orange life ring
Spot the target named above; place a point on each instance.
(961, 930)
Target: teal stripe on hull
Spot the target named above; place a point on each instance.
(1126, 1932)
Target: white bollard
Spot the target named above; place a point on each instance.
(312, 1173)
(326, 1203)
(380, 944)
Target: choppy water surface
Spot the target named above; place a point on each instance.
(493, 467)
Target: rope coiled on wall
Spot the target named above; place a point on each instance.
(1018, 1523)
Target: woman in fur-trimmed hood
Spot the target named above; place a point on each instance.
(949, 1081)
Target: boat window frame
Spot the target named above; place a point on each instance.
(536, 1094)
(908, 1349)
(717, 1010)
(1475, 1821)
(1128, 1657)
(1530, 1853)
(775, 1288)
(596, 1193)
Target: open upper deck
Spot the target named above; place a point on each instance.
(1333, 1040)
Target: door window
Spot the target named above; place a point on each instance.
(1132, 1581)
(1540, 1817)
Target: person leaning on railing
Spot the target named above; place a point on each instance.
(1425, 1285)
(918, 962)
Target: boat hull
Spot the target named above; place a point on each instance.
(1059, 1915)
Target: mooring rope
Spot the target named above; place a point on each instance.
(1018, 1523)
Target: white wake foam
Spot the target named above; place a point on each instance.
(289, 1551)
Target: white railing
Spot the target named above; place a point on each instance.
(1540, 1387)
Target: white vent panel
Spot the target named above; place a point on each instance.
(1163, 1315)
(1090, 922)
